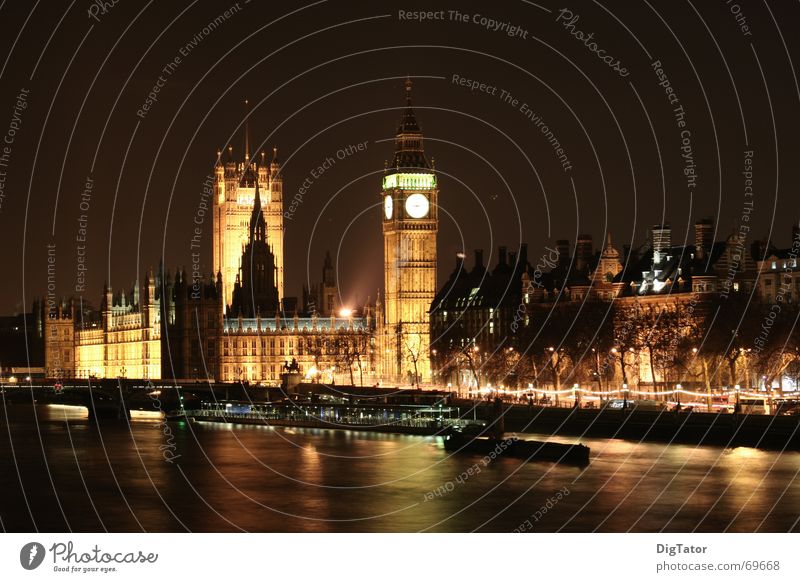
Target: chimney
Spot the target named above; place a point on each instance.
(478, 259)
(502, 256)
(459, 261)
(563, 251)
(703, 237)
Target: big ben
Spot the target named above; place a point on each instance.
(410, 225)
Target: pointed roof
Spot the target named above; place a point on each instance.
(409, 153)
(408, 123)
(609, 251)
(258, 227)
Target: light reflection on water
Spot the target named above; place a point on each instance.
(232, 477)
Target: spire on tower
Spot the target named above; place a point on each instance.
(409, 152)
(246, 131)
(408, 124)
(249, 178)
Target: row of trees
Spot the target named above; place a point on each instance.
(705, 342)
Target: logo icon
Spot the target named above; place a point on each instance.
(31, 555)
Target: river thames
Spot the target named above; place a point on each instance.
(59, 473)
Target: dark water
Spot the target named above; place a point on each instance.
(60, 473)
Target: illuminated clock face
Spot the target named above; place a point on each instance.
(417, 206)
(388, 206)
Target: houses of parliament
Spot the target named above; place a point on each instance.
(238, 326)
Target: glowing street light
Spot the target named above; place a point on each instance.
(345, 312)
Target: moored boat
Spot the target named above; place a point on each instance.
(458, 442)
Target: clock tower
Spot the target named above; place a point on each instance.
(410, 224)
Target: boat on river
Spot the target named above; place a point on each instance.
(459, 442)
(491, 441)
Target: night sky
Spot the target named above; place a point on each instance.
(326, 75)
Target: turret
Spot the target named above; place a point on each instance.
(108, 304)
(150, 310)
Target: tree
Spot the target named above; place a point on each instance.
(349, 349)
(501, 366)
(625, 332)
(412, 348)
